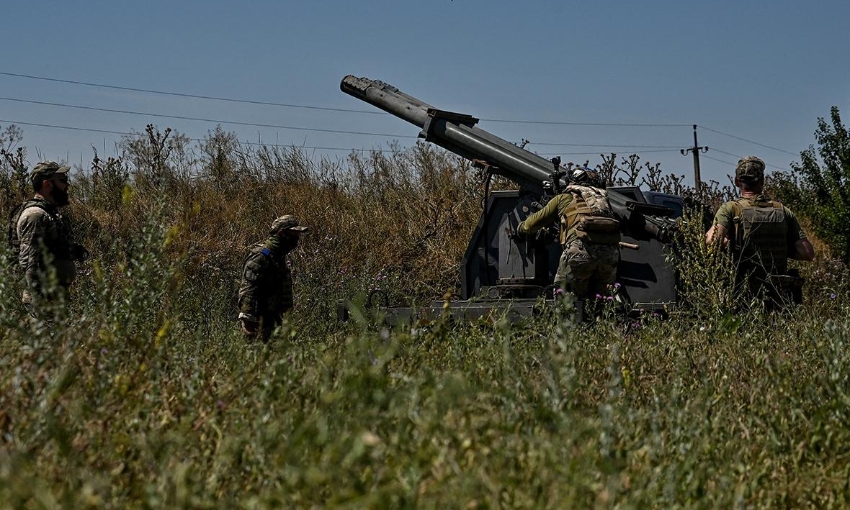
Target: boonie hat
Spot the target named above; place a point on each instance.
(750, 169)
(46, 170)
(287, 222)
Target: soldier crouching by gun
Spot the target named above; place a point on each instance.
(762, 235)
(589, 235)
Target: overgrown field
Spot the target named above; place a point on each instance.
(144, 395)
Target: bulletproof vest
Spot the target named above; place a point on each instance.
(760, 240)
(12, 233)
(272, 291)
(60, 247)
(589, 217)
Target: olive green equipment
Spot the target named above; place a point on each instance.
(590, 217)
(760, 246)
(76, 251)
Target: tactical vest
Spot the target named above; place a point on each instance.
(589, 217)
(271, 294)
(60, 247)
(760, 237)
(12, 233)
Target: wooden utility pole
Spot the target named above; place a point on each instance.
(695, 150)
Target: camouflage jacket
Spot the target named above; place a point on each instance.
(568, 207)
(45, 243)
(266, 286)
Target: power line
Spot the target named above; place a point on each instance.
(125, 133)
(596, 153)
(312, 107)
(748, 141)
(784, 169)
(343, 110)
(195, 96)
(567, 123)
(70, 128)
(605, 145)
(718, 160)
(297, 128)
(217, 121)
(371, 112)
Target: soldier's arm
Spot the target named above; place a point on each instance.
(32, 227)
(802, 248)
(721, 231)
(541, 218)
(717, 234)
(253, 271)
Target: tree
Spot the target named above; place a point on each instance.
(826, 195)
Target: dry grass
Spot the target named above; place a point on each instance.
(146, 396)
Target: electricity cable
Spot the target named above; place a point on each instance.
(748, 141)
(217, 121)
(123, 133)
(313, 107)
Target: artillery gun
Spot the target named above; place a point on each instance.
(500, 273)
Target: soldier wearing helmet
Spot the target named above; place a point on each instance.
(265, 292)
(589, 234)
(762, 235)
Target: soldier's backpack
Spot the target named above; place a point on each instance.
(591, 216)
(760, 237)
(12, 232)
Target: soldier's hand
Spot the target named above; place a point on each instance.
(516, 235)
(547, 235)
(249, 327)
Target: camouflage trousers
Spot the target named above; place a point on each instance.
(586, 269)
(265, 327)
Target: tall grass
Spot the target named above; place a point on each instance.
(146, 396)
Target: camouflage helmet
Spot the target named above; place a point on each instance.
(750, 170)
(287, 222)
(46, 170)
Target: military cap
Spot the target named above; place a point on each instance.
(46, 170)
(750, 169)
(287, 222)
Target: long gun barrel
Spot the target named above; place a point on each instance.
(455, 132)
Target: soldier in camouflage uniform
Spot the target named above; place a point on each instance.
(266, 289)
(42, 238)
(589, 235)
(762, 235)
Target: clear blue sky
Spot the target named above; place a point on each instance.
(762, 71)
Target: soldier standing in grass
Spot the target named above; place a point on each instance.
(42, 239)
(762, 235)
(589, 235)
(265, 292)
